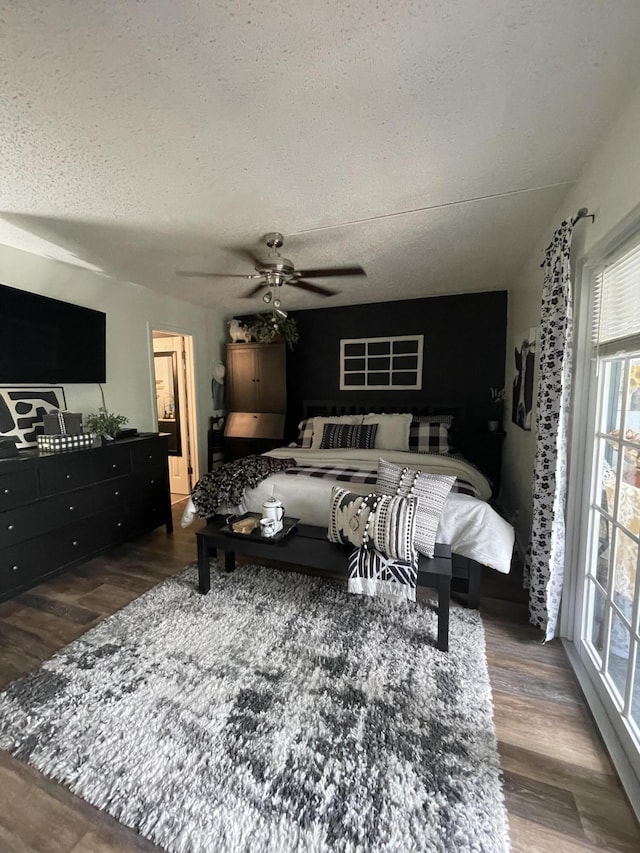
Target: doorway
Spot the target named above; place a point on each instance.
(175, 407)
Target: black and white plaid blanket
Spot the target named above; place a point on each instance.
(359, 475)
(333, 472)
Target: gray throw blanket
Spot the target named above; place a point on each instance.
(226, 484)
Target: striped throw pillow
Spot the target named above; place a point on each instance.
(390, 526)
(431, 491)
(348, 435)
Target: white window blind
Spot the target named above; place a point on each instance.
(616, 317)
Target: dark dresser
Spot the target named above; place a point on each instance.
(58, 509)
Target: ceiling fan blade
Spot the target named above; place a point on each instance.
(255, 290)
(243, 254)
(331, 271)
(314, 288)
(194, 274)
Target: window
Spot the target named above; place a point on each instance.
(609, 612)
(377, 363)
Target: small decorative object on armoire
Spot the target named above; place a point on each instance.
(238, 332)
(269, 328)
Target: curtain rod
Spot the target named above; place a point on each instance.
(583, 213)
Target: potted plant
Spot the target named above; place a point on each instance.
(105, 424)
(266, 328)
(498, 399)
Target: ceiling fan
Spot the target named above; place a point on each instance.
(273, 271)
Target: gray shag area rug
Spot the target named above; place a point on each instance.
(276, 713)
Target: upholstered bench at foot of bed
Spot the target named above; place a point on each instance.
(308, 546)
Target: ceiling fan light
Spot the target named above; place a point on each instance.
(267, 297)
(282, 314)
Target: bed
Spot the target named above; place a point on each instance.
(476, 533)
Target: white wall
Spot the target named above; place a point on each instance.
(610, 187)
(131, 312)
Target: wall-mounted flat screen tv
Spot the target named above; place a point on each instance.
(45, 340)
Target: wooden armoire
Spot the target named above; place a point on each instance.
(256, 402)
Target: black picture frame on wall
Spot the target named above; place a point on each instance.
(525, 358)
(22, 411)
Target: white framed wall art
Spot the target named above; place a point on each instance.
(391, 363)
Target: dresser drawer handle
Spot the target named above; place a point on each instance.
(116, 494)
(68, 477)
(115, 465)
(14, 568)
(152, 482)
(7, 491)
(119, 524)
(9, 526)
(75, 543)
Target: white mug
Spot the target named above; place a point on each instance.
(273, 508)
(268, 527)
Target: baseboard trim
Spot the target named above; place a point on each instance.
(627, 775)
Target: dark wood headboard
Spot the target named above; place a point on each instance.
(324, 408)
(482, 448)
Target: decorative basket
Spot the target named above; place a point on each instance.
(59, 443)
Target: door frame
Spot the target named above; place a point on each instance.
(193, 402)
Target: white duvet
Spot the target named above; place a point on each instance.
(472, 527)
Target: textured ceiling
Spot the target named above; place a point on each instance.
(143, 137)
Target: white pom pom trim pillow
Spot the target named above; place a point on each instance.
(431, 491)
(391, 528)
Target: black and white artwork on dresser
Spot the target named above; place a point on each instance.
(22, 409)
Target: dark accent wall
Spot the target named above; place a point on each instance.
(464, 350)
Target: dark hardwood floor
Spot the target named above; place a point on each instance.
(561, 790)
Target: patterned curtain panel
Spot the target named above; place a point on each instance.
(544, 566)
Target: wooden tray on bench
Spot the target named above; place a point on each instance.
(288, 523)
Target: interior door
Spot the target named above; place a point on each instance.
(172, 412)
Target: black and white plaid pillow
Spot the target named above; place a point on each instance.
(305, 433)
(336, 436)
(430, 434)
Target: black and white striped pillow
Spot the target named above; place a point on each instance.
(430, 489)
(340, 436)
